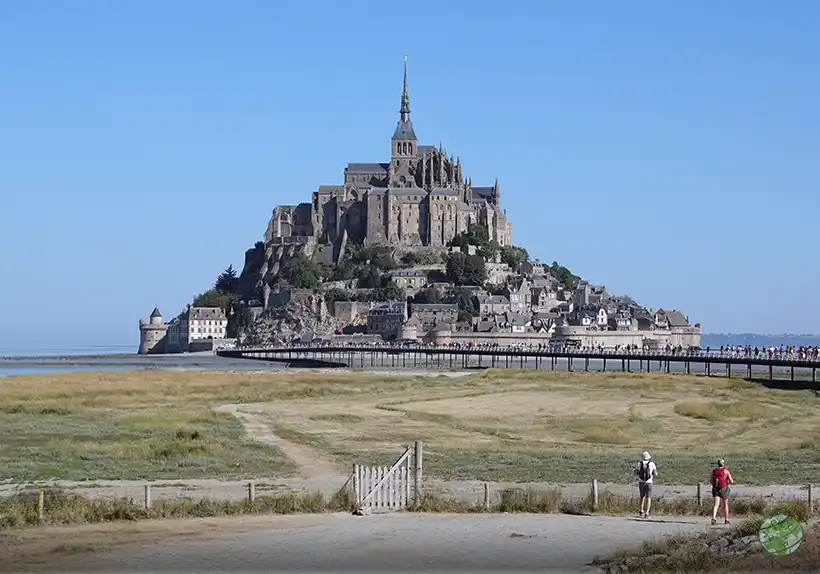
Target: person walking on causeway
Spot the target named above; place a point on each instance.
(721, 479)
(646, 471)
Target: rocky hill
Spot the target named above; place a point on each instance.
(286, 290)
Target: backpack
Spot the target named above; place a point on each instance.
(643, 472)
(719, 478)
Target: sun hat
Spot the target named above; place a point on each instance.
(645, 456)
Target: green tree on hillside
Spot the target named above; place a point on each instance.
(429, 296)
(369, 277)
(214, 298)
(466, 302)
(228, 281)
(300, 272)
(566, 277)
(514, 256)
(466, 269)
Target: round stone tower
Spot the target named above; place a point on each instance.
(152, 334)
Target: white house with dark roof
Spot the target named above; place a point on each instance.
(196, 324)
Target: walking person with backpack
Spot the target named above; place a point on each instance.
(646, 471)
(721, 479)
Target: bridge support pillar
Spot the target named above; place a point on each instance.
(688, 367)
(641, 367)
(749, 371)
(605, 364)
(814, 374)
(623, 365)
(729, 370)
(586, 364)
(708, 369)
(668, 367)
(569, 363)
(792, 373)
(771, 376)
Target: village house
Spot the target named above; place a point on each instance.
(602, 319)
(622, 321)
(386, 319)
(517, 322)
(430, 315)
(411, 280)
(584, 318)
(669, 319)
(532, 268)
(493, 305)
(543, 323)
(598, 295)
(543, 299)
(193, 324)
(518, 294)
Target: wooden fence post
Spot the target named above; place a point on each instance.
(356, 486)
(486, 496)
(417, 474)
(700, 496)
(147, 496)
(594, 494)
(40, 505)
(810, 501)
(251, 492)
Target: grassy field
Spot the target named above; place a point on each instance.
(495, 425)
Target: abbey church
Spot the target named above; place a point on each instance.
(419, 198)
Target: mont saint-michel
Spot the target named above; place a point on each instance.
(419, 198)
(407, 249)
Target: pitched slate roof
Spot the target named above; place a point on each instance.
(676, 319)
(480, 193)
(404, 131)
(379, 168)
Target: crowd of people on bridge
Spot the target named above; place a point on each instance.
(782, 353)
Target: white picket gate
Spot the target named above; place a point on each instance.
(379, 488)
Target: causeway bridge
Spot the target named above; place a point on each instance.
(792, 366)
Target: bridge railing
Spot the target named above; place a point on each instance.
(761, 355)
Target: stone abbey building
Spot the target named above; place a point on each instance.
(419, 198)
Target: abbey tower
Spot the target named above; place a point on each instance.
(420, 197)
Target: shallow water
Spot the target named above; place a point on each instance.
(84, 364)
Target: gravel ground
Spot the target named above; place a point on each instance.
(398, 542)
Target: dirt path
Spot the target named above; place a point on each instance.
(344, 543)
(312, 463)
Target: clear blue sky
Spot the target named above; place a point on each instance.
(667, 150)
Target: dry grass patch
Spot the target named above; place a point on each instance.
(720, 410)
(493, 425)
(62, 507)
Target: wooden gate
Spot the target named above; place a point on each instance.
(385, 489)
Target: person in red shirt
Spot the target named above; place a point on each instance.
(720, 480)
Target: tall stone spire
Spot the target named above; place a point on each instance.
(405, 98)
(404, 129)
